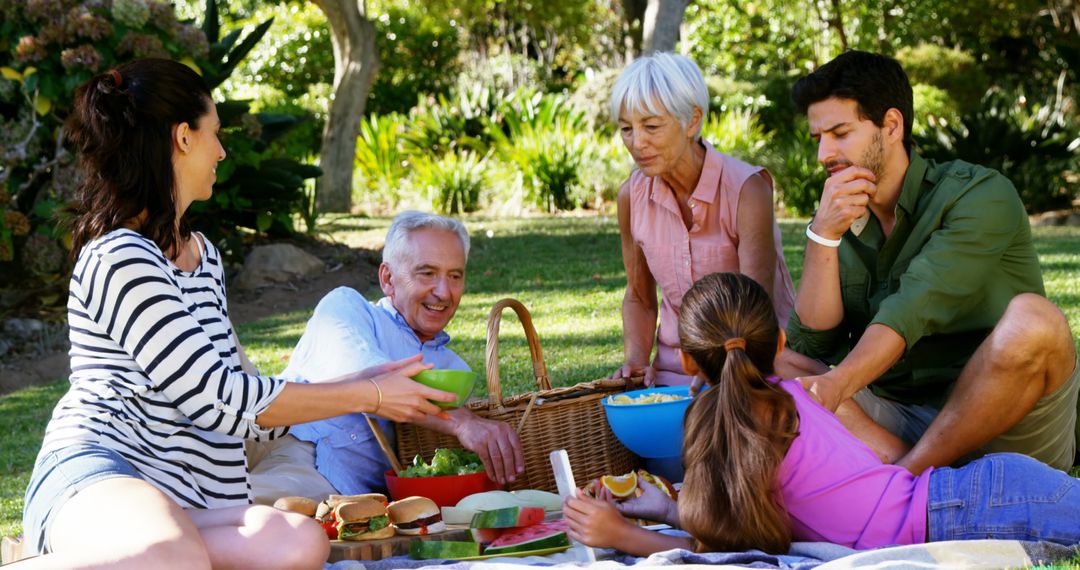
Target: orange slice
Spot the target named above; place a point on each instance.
(659, 482)
(621, 486)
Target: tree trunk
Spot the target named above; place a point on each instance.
(634, 13)
(355, 62)
(660, 31)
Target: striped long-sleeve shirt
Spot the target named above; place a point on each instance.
(156, 374)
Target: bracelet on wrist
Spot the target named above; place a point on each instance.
(379, 390)
(821, 240)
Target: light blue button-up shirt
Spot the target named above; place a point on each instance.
(347, 333)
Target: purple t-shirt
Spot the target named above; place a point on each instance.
(836, 489)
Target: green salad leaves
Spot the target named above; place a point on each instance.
(445, 462)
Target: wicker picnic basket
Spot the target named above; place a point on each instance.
(569, 418)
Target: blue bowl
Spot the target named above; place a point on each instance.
(650, 430)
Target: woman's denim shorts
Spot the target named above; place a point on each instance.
(58, 476)
(1004, 496)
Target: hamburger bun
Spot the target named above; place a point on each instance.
(301, 505)
(359, 510)
(334, 500)
(416, 516)
(354, 517)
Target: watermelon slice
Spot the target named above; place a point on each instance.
(549, 534)
(437, 549)
(508, 517)
(484, 536)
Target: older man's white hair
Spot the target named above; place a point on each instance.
(395, 251)
(659, 84)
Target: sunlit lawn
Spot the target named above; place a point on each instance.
(566, 270)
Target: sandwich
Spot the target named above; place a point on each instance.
(301, 505)
(362, 519)
(416, 516)
(335, 500)
(325, 510)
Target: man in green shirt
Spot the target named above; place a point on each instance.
(920, 281)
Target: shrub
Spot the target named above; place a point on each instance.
(1034, 144)
(258, 189)
(545, 137)
(440, 124)
(778, 113)
(737, 133)
(380, 158)
(47, 49)
(933, 107)
(792, 160)
(950, 69)
(418, 54)
(501, 73)
(604, 168)
(730, 94)
(592, 98)
(453, 182)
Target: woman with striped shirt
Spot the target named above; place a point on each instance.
(143, 461)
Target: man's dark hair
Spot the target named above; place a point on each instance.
(876, 82)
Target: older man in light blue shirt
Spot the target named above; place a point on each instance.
(423, 277)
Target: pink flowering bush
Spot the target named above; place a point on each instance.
(47, 49)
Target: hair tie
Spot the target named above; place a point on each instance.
(118, 79)
(733, 343)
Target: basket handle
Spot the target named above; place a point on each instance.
(495, 397)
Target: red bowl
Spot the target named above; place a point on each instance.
(446, 491)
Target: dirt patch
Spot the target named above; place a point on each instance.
(356, 268)
(350, 267)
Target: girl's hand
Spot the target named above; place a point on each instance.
(652, 505)
(595, 522)
(404, 400)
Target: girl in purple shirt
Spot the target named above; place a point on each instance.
(766, 464)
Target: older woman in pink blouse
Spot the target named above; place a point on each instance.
(686, 211)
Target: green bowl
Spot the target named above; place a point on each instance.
(459, 382)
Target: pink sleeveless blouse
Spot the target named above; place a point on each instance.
(677, 257)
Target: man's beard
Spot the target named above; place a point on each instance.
(874, 157)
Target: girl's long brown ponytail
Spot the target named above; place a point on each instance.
(736, 432)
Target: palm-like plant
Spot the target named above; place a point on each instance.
(453, 182)
(545, 137)
(379, 155)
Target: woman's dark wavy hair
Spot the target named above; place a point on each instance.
(875, 82)
(737, 431)
(121, 129)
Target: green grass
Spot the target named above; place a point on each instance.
(23, 415)
(566, 270)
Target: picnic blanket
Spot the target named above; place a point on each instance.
(802, 556)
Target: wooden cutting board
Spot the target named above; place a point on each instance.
(387, 547)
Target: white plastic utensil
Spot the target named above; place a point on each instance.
(564, 480)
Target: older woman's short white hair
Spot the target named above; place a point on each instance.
(661, 83)
(395, 251)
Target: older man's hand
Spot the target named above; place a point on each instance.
(495, 442)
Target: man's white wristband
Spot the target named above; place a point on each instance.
(821, 240)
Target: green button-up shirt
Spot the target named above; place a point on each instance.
(960, 250)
